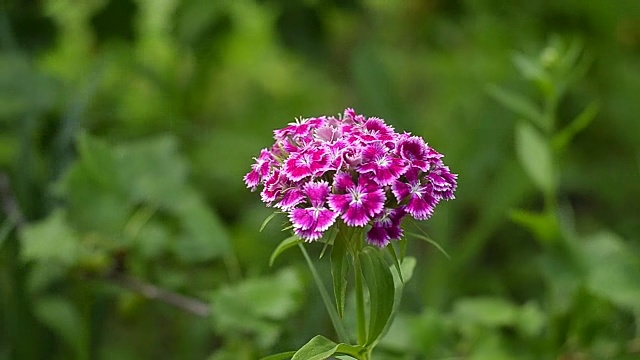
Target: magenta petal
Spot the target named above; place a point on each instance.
(339, 202)
(302, 218)
(400, 190)
(373, 202)
(342, 181)
(356, 215)
(308, 235)
(395, 232)
(378, 236)
(291, 198)
(317, 192)
(324, 219)
(421, 208)
(252, 179)
(295, 171)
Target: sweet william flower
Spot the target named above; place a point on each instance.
(357, 203)
(350, 169)
(311, 221)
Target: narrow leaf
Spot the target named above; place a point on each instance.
(406, 269)
(339, 271)
(432, 242)
(381, 292)
(283, 246)
(267, 220)
(562, 139)
(333, 314)
(329, 240)
(396, 262)
(535, 156)
(517, 103)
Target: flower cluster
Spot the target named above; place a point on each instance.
(354, 168)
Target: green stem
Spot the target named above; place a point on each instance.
(333, 314)
(361, 319)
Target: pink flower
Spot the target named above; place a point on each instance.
(382, 164)
(313, 220)
(420, 196)
(306, 163)
(357, 204)
(386, 227)
(348, 166)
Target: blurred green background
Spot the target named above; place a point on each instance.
(126, 127)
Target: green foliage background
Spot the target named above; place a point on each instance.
(126, 127)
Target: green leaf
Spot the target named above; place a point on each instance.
(535, 156)
(532, 70)
(432, 242)
(339, 271)
(153, 170)
(320, 348)
(268, 219)
(406, 268)
(379, 280)
(283, 246)
(543, 225)
(531, 319)
(282, 356)
(486, 311)
(64, 319)
(562, 139)
(204, 236)
(333, 314)
(518, 104)
(50, 239)
(328, 239)
(613, 270)
(235, 308)
(396, 261)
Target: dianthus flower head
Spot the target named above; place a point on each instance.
(350, 169)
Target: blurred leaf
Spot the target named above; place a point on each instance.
(93, 204)
(562, 139)
(518, 104)
(153, 240)
(153, 171)
(613, 270)
(204, 237)
(531, 319)
(284, 245)
(236, 309)
(532, 70)
(485, 311)
(339, 271)
(63, 318)
(543, 225)
(50, 240)
(379, 281)
(535, 156)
